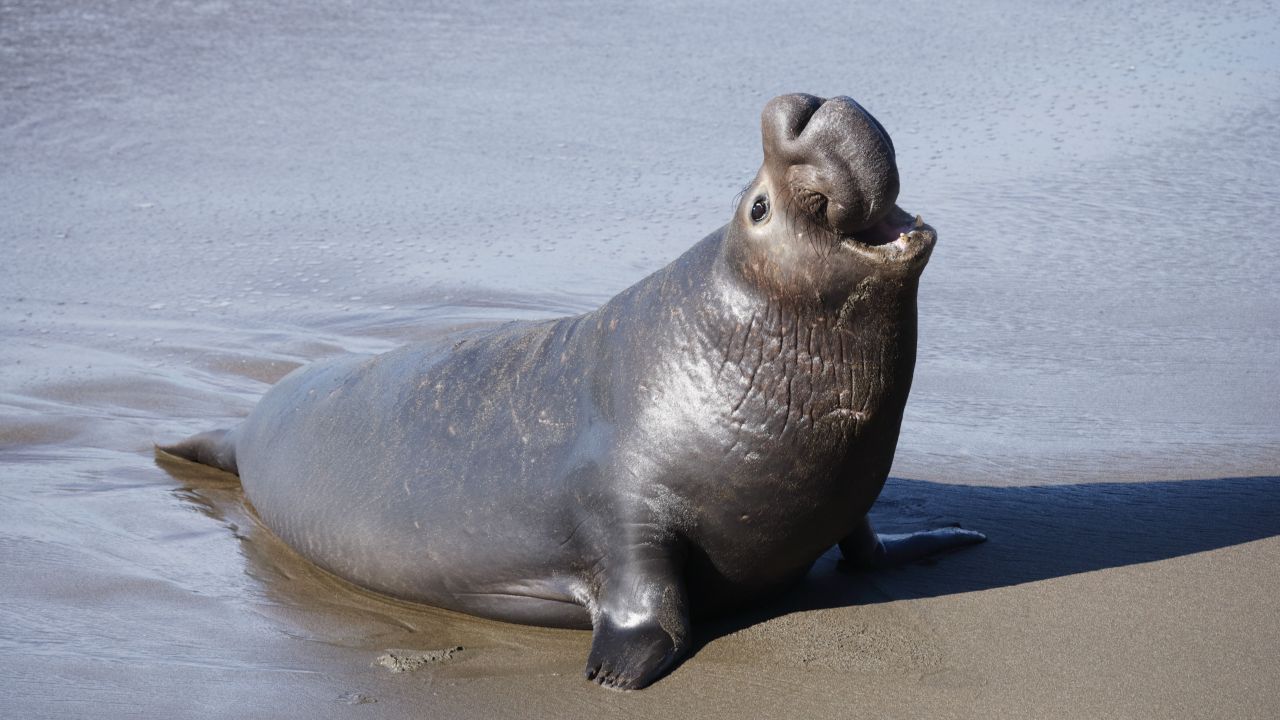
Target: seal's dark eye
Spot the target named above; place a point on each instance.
(759, 209)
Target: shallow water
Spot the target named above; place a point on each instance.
(199, 197)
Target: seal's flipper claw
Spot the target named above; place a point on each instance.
(867, 550)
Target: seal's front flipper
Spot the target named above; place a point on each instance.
(216, 448)
(629, 658)
(865, 549)
(641, 622)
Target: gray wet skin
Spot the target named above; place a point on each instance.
(693, 444)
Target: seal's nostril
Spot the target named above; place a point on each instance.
(786, 116)
(803, 114)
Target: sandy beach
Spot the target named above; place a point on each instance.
(200, 197)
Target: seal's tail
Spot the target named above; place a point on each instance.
(215, 447)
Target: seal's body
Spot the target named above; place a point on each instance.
(699, 440)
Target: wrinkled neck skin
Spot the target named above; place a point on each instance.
(743, 368)
(829, 348)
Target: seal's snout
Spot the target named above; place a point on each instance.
(833, 160)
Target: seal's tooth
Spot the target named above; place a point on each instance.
(919, 222)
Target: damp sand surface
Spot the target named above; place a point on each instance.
(200, 196)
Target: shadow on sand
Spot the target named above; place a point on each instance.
(1034, 533)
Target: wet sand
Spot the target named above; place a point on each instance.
(199, 197)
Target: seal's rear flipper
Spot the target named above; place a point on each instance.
(215, 448)
(866, 549)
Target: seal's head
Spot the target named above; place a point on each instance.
(819, 218)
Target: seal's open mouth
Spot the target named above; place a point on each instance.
(898, 236)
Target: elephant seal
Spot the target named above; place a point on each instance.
(697, 442)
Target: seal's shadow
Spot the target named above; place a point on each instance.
(1035, 533)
